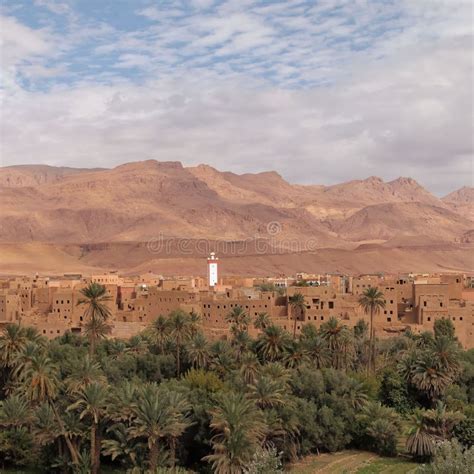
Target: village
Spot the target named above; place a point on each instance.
(412, 301)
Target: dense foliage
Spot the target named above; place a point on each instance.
(171, 398)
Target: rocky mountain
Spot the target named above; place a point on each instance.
(461, 201)
(141, 201)
(33, 175)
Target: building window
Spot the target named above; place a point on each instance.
(331, 305)
(322, 318)
(424, 303)
(429, 319)
(389, 319)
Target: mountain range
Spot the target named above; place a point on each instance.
(106, 218)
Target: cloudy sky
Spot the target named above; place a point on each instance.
(321, 91)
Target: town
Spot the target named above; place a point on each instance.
(412, 301)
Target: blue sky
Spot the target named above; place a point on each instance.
(321, 91)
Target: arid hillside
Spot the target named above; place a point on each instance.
(68, 214)
(461, 201)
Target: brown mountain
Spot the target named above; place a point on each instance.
(32, 175)
(416, 219)
(461, 201)
(137, 202)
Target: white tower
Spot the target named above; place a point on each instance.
(212, 269)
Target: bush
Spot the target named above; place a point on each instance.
(393, 392)
(450, 457)
(264, 461)
(464, 432)
(16, 446)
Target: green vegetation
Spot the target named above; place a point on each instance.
(358, 462)
(170, 400)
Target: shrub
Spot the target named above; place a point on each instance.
(450, 457)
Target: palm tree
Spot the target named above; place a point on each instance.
(239, 428)
(194, 323)
(45, 428)
(272, 343)
(94, 298)
(361, 344)
(355, 393)
(372, 301)
(40, 384)
(361, 329)
(180, 332)
(318, 351)
(198, 351)
(83, 372)
(24, 357)
(442, 420)
(119, 445)
(429, 426)
(92, 403)
(223, 359)
(240, 343)
(157, 417)
(40, 379)
(407, 363)
(249, 367)
(298, 309)
(295, 354)
(430, 376)
(15, 411)
(267, 392)
(180, 408)
(262, 320)
(347, 346)
(96, 329)
(277, 371)
(159, 332)
(420, 441)
(122, 401)
(447, 352)
(238, 318)
(12, 342)
(333, 332)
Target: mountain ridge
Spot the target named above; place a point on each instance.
(139, 201)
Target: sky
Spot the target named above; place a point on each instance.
(321, 91)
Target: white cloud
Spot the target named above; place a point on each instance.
(19, 46)
(57, 7)
(235, 88)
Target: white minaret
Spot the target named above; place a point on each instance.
(212, 269)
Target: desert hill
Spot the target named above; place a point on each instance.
(134, 203)
(32, 175)
(388, 220)
(461, 201)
